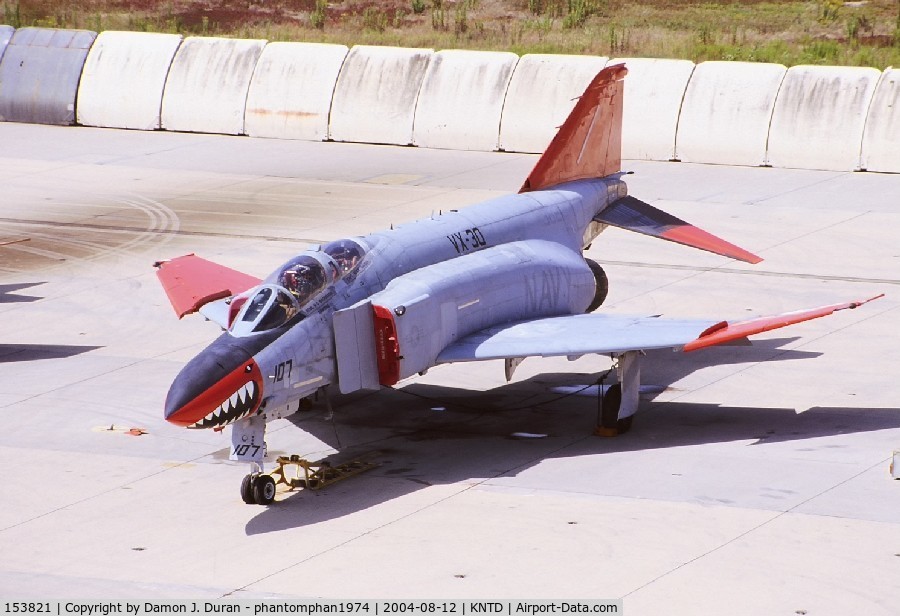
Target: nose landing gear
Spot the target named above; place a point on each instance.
(258, 489)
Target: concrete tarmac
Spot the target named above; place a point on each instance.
(755, 479)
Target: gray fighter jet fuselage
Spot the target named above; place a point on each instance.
(442, 278)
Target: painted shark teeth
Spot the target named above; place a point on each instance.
(237, 406)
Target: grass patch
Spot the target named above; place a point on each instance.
(810, 32)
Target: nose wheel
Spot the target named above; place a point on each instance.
(258, 489)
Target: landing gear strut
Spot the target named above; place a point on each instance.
(620, 401)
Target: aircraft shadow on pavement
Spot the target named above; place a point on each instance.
(7, 289)
(424, 435)
(10, 353)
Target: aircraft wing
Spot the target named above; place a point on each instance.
(603, 334)
(192, 282)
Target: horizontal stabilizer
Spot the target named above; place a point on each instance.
(190, 282)
(636, 215)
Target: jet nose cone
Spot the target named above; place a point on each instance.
(220, 386)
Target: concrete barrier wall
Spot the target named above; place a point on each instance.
(6, 33)
(726, 113)
(123, 79)
(813, 117)
(654, 90)
(819, 117)
(881, 139)
(375, 96)
(462, 98)
(541, 93)
(206, 91)
(291, 90)
(39, 75)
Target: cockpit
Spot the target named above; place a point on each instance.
(292, 286)
(346, 254)
(261, 309)
(304, 277)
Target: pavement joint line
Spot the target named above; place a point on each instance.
(780, 514)
(805, 342)
(179, 232)
(819, 230)
(246, 587)
(508, 156)
(750, 272)
(824, 180)
(87, 379)
(103, 493)
(467, 487)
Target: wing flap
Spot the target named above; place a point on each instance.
(636, 215)
(191, 282)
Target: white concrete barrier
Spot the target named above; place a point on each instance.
(375, 96)
(654, 90)
(206, 91)
(881, 139)
(726, 113)
(123, 79)
(541, 93)
(291, 90)
(461, 99)
(6, 33)
(819, 116)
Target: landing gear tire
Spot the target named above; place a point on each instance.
(610, 424)
(602, 285)
(263, 489)
(247, 490)
(609, 412)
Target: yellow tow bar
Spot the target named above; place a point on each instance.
(315, 475)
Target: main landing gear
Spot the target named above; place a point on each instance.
(618, 404)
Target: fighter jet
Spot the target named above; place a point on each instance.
(503, 279)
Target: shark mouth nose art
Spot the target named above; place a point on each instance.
(239, 405)
(217, 388)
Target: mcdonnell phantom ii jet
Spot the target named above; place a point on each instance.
(504, 279)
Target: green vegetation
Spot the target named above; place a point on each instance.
(810, 32)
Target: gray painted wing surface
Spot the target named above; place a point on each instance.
(574, 335)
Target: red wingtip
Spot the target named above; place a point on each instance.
(723, 332)
(190, 282)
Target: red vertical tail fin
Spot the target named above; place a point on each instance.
(589, 143)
